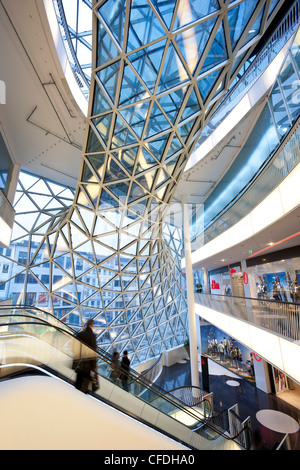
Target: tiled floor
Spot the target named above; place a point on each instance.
(250, 400)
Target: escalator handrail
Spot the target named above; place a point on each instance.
(172, 400)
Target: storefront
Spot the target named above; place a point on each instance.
(228, 352)
(227, 281)
(276, 276)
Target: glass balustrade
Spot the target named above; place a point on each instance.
(282, 318)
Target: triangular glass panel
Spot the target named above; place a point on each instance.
(174, 146)
(173, 73)
(110, 240)
(165, 9)
(132, 90)
(107, 201)
(192, 42)
(113, 171)
(93, 143)
(122, 136)
(191, 107)
(77, 237)
(111, 263)
(157, 122)
(40, 187)
(185, 129)
(102, 251)
(87, 219)
(255, 28)
(87, 174)
(101, 104)
(146, 180)
(103, 227)
(105, 276)
(144, 25)
(147, 63)
(131, 268)
(217, 52)
(119, 190)
(97, 162)
(145, 160)
(238, 17)
(206, 84)
(106, 50)
(113, 14)
(109, 79)
(170, 165)
(60, 280)
(172, 102)
(90, 278)
(126, 158)
(156, 146)
(25, 205)
(193, 10)
(115, 285)
(135, 116)
(60, 245)
(102, 124)
(26, 221)
(136, 193)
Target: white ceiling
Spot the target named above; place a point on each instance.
(42, 125)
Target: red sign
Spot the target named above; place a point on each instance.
(245, 278)
(256, 357)
(215, 285)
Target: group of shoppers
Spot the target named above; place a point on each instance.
(86, 369)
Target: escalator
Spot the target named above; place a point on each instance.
(33, 341)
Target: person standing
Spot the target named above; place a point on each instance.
(86, 366)
(115, 367)
(125, 370)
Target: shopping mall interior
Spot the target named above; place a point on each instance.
(149, 183)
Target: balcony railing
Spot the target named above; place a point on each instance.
(282, 318)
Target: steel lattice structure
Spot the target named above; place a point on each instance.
(159, 68)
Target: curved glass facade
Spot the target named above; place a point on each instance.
(114, 253)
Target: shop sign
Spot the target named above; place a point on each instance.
(256, 357)
(215, 285)
(245, 278)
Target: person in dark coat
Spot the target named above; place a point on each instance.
(86, 366)
(125, 370)
(115, 367)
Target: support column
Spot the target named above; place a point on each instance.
(190, 295)
(206, 283)
(247, 291)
